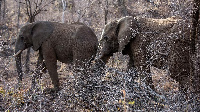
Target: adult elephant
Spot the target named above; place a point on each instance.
(69, 43)
(149, 42)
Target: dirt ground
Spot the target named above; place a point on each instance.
(86, 91)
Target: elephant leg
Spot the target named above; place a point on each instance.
(184, 82)
(130, 63)
(51, 63)
(144, 74)
(148, 77)
(41, 66)
(182, 87)
(38, 68)
(39, 63)
(141, 65)
(130, 68)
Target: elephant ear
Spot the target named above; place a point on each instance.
(127, 29)
(41, 31)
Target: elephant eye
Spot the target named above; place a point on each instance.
(22, 37)
(105, 38)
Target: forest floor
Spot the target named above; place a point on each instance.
(88, 89)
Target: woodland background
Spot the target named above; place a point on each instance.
(95, 13)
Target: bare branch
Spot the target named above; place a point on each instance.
(40, 3)
(30, 8)
(20, 2)
(37, 12)
(36, 4)
(27, 9)
(81, 16)
(41, 8)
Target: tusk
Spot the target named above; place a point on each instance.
(17, 53)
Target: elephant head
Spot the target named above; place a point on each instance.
(31, 35)
(116, 35)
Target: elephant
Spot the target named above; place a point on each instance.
(149, 42)
(74, 43)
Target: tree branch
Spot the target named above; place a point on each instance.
(27, 8)
(40, 8)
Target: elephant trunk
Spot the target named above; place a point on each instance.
(104, 58)
(19, 66)
(19, 47)
(101, 60)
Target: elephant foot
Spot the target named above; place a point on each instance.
(51, 90)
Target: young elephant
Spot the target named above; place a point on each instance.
(122, 36)
(69, 43)
(149, 42)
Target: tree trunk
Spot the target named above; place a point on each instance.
(18, 15)
(0, 17)
(64, 8)
(195, 75)
(106, 12)
(31, 19)
(4, 9)
(0, 10)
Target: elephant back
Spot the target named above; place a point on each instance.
(85, 42)
(77, 40)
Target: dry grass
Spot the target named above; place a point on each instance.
(90, 89)
(163, 82)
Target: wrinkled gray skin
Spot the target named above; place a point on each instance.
(148, 45)
(121, 36)
(69, 43)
